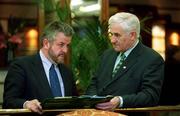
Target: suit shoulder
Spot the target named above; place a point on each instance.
(108, 52)
(65, 67)
(24, 59)
(151, 53)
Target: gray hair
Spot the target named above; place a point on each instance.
(55, 27)
(127, 21)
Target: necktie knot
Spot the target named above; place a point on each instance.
(51, 68)
(122, 57)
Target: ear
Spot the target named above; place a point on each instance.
(46, 43)
(132, 35)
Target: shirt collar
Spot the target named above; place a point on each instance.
(45, 60)
(129, 50)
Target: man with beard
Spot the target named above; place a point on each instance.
(28, 80)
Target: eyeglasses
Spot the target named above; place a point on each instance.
(117, 35)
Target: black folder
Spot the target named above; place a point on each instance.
(72, 102)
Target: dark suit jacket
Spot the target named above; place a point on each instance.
(26, 80)
(138, 81)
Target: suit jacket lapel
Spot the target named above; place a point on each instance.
(109, 64)
(129, 62)
(64, 79)
(41, 76)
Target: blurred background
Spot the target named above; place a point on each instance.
(22, 21)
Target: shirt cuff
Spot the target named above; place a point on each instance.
(121, 101)
(25, 104)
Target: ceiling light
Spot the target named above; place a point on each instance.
(76, 2)
(90, 8)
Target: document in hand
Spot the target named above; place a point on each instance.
(84, 101)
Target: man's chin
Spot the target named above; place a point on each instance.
(61, 60)
(116, 49)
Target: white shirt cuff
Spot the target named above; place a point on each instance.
(121, 101)
(25, 104)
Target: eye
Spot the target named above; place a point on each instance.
(60, 45)
(68, 45)
(117, 35)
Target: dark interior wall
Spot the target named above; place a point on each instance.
(164, 7)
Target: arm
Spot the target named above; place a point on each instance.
(14, 87)
(103, 72)
(149, 93)
(151, 79)
(91, 90)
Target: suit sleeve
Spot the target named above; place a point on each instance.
(92, 88)
(14, 87)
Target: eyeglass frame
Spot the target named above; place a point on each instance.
(117, 35)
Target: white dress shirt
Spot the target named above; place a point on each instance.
(47, 64)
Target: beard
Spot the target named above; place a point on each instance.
(57, 58)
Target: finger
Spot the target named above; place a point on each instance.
(115, 102)
(39, 105)
(104, 106)
(36, 109)
(34, 106)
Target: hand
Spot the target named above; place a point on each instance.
(34, 106)
(111, 105)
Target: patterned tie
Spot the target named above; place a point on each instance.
(54, 82)
(119, 64)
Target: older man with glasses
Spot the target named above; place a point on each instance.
(130, 71)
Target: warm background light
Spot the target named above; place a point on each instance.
(158, 31)
(32, 40)
(174, 39)
(158, 40)
(90, 8)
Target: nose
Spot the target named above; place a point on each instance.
(113, 39)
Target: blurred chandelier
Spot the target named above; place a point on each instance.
(85, 7)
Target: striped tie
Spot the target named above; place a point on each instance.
(122, 56)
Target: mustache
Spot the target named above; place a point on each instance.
(62, 53)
